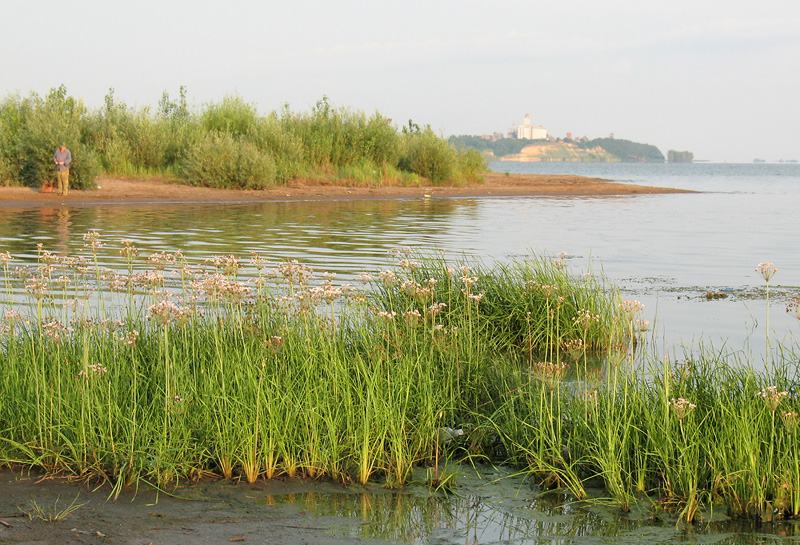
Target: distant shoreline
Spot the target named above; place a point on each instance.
(127, 190)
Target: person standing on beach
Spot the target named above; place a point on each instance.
(62, 158)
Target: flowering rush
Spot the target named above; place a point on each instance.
(793, 307)
(631, 308)
(549, 373)
(772, 397)
(766, 270)
(681, 407)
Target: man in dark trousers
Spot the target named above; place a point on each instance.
(62, 158)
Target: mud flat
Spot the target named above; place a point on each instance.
(203, 512)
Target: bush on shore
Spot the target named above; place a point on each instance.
(223, 160)
(324, 143)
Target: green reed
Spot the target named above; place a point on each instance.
(171, 370)
(687, 435)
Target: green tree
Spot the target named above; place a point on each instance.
(680, 156)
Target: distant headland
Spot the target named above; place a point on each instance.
(531, 143)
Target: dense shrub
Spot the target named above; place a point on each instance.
(249, 150)
(224, 161)
(429, 156)
(85, 168)
(471, 165)
(45, 124)
(6, 177)
(285, 147)
(233, 115)
(380, 141)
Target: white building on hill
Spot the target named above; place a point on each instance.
(531, 132)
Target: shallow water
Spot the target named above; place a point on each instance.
(487, 505)
(493, 506)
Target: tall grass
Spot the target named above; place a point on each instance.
(129, 375)
(172, 370)
(694, 434)
(221, 144)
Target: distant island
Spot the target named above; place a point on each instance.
(680, 156)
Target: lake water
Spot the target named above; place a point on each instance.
(668, 251)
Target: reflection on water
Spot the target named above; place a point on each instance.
(492, 506)
(668, 251)
(336, 236)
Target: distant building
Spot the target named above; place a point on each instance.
(531, 132)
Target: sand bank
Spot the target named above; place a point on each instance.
(126, 190)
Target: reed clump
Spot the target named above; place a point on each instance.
(687, 436)
(165, 370)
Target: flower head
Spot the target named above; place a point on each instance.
(549, 373)
(793, 307)
(93, 370)
(575, 349)
(412, 318)
(681, 407)
(766, 270)
(128, 250)
(388, 278)
(790, 419)
(772, 397)
(92, 240)
(386, 316)
(585, 319)
(631, 309)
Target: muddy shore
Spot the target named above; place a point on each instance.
(201, 512)
(126, 190)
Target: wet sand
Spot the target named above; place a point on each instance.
(126, 190)
(202, 512)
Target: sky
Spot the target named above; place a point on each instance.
(719, 78)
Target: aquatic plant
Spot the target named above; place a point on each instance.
(168, 370)
(767, 271)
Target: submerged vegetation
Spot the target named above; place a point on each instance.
(224, 144)
(168, 370)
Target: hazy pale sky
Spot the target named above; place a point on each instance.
(720, 78)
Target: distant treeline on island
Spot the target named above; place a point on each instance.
(567, 150)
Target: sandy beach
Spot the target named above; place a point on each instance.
(127, 190)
